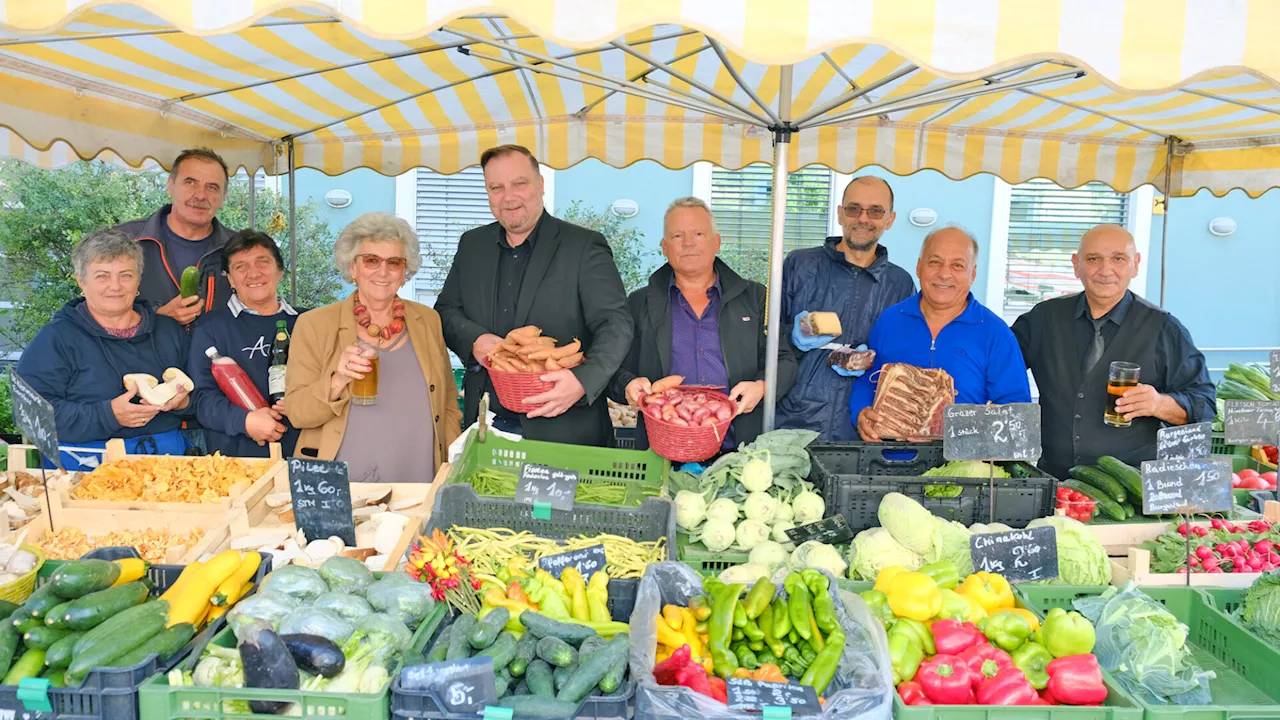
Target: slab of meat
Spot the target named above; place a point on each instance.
(910, 401)
(850, 359)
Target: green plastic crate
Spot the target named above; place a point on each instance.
(639, 473)
(1119, 706)
(1224, 599)
(703, 561)
(1218, 446)
(1246, 684)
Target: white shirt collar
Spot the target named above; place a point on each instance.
(237, 306)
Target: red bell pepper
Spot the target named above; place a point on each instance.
(1076, 680)
(1047, 698)
(719, 690)
(952, 637)
(1008, 687)
(946, 681)
(664, 673)
(912, 693)
(694, 677)
(985, 661)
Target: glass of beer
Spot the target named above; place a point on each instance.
(1122, 378)
(365, 390)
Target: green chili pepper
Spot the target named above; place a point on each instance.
(878, 601)
(747, 659)
(712, 586)
(757, 646)
(701, 628)
(793, 656)
(753, 632)
(815, 635)
(738, 634)
(815, 581)
(765, 623)
(823, 667)
(793, 636)
(824, 611)
(721, 629)
(739, 616)
(808, 655)
(798, 605)
(758, 598)
(781, 618)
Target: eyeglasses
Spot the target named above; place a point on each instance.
(373, 262)
(853, 212)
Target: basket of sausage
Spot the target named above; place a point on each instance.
(517, 363)
(686, 423)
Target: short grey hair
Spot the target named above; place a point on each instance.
(103, 245)
(376, 227)
(688, 202)
(973, 241)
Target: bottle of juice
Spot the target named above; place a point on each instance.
(235, 382)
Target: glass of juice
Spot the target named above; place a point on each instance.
(364, 391)
(1122, 378)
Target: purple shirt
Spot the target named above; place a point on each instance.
(696, 354)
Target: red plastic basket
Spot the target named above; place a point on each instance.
(687, 444)
(514, 387)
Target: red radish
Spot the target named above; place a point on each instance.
(1217, 524)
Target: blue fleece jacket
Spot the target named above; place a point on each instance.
(79, 368)
(247, 340)
(977, 349)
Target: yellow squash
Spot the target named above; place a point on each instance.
(230, 589)
(130, 569)
(189, 603)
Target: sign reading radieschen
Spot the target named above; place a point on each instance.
(1018, 555)
(1186, 487)
(991, 432)
(1184, 442)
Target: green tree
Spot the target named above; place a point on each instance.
(635, 262)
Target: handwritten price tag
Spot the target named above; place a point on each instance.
(544, 484)
(1018, 555)
(321, 497)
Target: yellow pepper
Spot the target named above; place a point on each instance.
(1025, 614)
(598, 597)
(976, 611)
(886, 576)
(671, 613)
(576, 587)
(914, 595)
(663, 653)
(669, 636)
(991, 591)
(688, 623)
(550, 580)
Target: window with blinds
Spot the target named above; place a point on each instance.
(1045, 225)
(446, 206)
(742, 201)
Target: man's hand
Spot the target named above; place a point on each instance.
(636, 389)
(279, 408)
(130, 414)
(555, 401)
(1144, 401)
(263, 425)
(184, 310)
(867, 420)
(483, 345)
(747, 395)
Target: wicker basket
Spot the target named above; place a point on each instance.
(514, 387)
(687, 444)
(19, 590)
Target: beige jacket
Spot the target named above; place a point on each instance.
(318, 340)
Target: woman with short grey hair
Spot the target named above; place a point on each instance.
(369, 380)
(79, 361)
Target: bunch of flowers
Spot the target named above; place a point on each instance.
(435, 561)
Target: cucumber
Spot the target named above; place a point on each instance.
(81, 577)
(439, 648)
(521, 688)
(526, 650)
(57, 678)
(41, 637)
(92, 652)
(487, 628)
(163, 645)
(589, 674)
(459, 638)
(1104, 482)
(1127, 475)
(534, 706)
(501, 651)
(30, 665)
(556, 651)
(190, 283)
(9, 637)
(543, 626)
(538, 675)
(120, 626)
(26, 623)
(501, 682)
(589, 647)
(59, 654)
(1128, 509)
(1106, 505)
(57, 616)
(561, 674)
(7, 608)
(91, 610)
(612, 680)
(41, 602)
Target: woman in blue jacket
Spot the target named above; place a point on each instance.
(78, 361)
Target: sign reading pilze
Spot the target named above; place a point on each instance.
(1030, 554)
(1251, 422)
(554, 486)
(34, 417)
(1186, 487)
(991, 432)
(1184, 442)
(321, 499)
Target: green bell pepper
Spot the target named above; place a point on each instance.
(721, 629)
(943, 573)
(879, 604)
(1066, 633)
(799, 604)
(1007, 631)
(906, 655)
(954, 607)
(1032, 659)
(759, 597)
(917, 630)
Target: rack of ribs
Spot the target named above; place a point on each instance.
(910, 401)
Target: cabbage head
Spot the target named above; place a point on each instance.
(907, 521)
(1081, 558)
(1260, 610)
(874, 550)
(951, 542)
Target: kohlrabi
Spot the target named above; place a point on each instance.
(691, 509)
(724, 510)
(716, 535)
(808, 507)
(760, 506)
(751, 533)
(757, 473)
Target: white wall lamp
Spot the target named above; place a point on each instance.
(923, 217)
(1222, 226)
(337, 198)
(625, 208)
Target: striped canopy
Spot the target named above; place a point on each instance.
(1072, 91)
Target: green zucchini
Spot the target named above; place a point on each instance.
(526, 650)
(487, 628)
(1127, 475)
(540, 680)
(41, 602)
(30, 665)
(459, 638)
(41, 637)
(9, 637)
(543, 626)
(589, 674)
(59, 654)
(190, 283)
(1104, 482)
(612, 680)
(163, 645)
(91, 610)
(81, 577)
(7, 608)
(100, 652)
(556, 651)
(535, 706)
(124, 626)
(501, 652)
(1106, 505)
(56, 677)
(57, 616)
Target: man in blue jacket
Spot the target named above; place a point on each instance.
(852, 277)
(944, 326)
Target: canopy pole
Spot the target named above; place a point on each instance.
(293, 231)
(1164, 226)
(781, 142)
(253, 200)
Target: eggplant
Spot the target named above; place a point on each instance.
(315, 654)
(267, 664)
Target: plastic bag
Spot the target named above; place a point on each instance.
(270, 607)
(300, 583)
(317, 621)
(407, 602)
(385, 630)
(345, 575)
(349, 607)
(861, 690)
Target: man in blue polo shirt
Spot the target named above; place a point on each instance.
(943, 326)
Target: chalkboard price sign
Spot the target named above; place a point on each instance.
(1275, 371)
(588, 560)
(544, 484)
(991, 432)
(1019, 555)
(463, 687)
(1186, 486)
(1184, 442)
(834, 530)
(1251, 422)
(34, 417)
(753, 695)
(321, 497)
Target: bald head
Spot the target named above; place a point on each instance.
(947, 267)
(949, 235)
(1107, 234)
(1106, 262)
(865, 212)
(871, 181)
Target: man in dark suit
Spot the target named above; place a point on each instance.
(529, 268)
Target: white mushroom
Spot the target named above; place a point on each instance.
(149, 388)
(386, 536)
(175, 377)
(321, 550)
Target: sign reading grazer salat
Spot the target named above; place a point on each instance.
(991, 432)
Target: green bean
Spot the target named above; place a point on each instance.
(493, 482)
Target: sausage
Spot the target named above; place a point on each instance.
(666, 383)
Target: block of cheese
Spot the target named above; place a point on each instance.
(820, 323)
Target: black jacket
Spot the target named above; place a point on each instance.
(571, 289)
(743, 313)
(159, 280)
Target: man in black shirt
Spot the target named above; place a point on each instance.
(1070, 342)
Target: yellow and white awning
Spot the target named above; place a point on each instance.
(1019, 89)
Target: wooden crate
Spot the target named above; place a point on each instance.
(1135, 564)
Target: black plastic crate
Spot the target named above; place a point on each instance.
(854, 477)
(112, 694)
(624, 438)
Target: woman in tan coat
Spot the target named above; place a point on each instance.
(402, 434)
